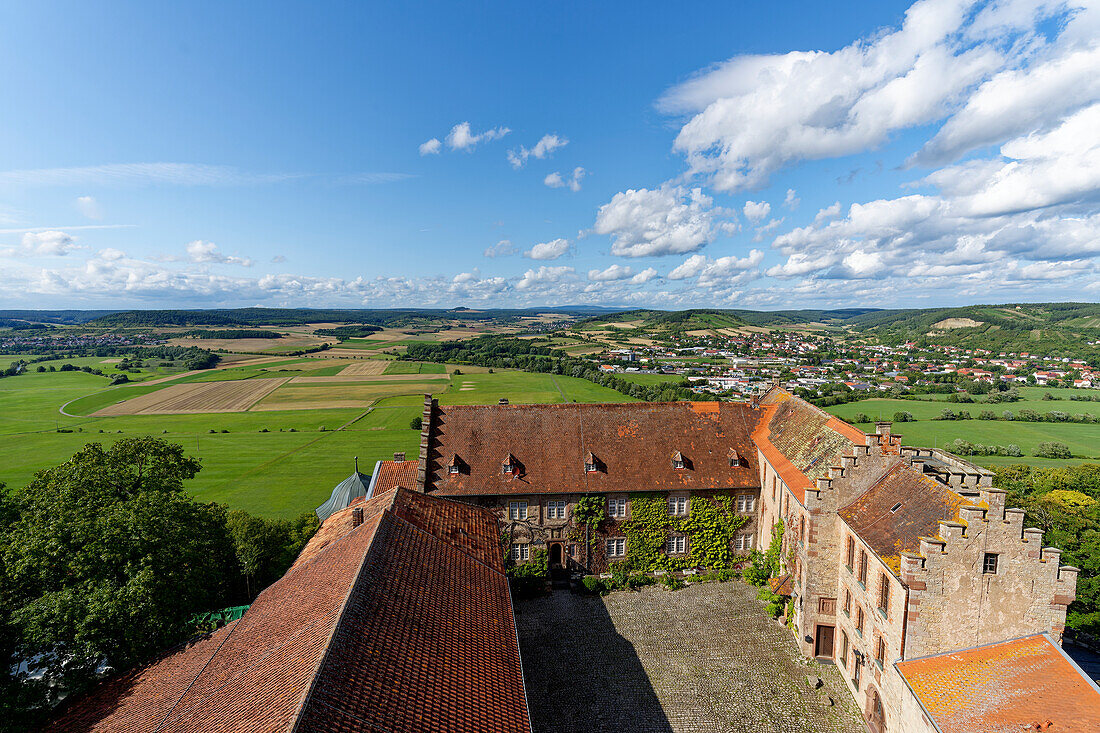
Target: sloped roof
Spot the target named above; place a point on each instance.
(353, 487)
(800, 441)
(392, 474)
(403, 623)
(633, 442)
(1005, 688)
(888, 531)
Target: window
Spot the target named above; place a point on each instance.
(773, 488)
(880, 652)
(857, 669)
(555, 510)
(616, 547)
(859, 619)
(850, 553)
(677, 505)
(847, 602)
(863, 568)
(742, 542)
(884, 594)
(572, 550)
(676, 545)
(843, 650)
(678, 460)
(745, 502)
(589, 467)
(453, 468)
(521, 553)
(989, 563)
(616, 507)
(801, 529)
(508, 467)
(517, 510)
(590, 463)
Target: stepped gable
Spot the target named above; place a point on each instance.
(801, 441)
(633, 446)
(902, 506)
(401, 623)
(1005, 687)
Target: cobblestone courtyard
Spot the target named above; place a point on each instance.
(704, 658)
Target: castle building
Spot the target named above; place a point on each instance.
(890, 553)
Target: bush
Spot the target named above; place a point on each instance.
(458, 372)
(416, 423)
(904, 417)
(671, 582)
(593, 585)
(987, 415)
(861, 417)
(1053, 449)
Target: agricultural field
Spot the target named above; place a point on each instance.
(647, 380)
(279, 457)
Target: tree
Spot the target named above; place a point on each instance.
(265, 548)
(1053, 449)
(417, 423)
(105, 559)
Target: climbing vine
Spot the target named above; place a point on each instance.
(710, 527)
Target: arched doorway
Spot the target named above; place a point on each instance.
(556, 558)
(876, 720)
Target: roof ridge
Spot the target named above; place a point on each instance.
(308, 694)
(436, 538)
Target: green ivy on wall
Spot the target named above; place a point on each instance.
(710, 527)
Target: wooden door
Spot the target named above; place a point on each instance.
(823, 647)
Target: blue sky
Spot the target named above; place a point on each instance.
(786, 155)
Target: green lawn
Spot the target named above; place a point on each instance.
(525, 388)
(414, 367)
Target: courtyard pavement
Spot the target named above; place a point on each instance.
(705, 658)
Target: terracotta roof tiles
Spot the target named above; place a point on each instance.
(394, 474)
(1005, 687)
(633, 443)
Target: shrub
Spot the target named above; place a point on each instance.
(904, 417)
(416, 423)
(458, 372)
(987, 415)
(948, 414)
(593, 585)
(861, 417)
(1011, 450)
(1053, 449)
(671, 582)
(1007, 415)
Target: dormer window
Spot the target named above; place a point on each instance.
(510, 465)
(591, 465)
(735, 457)
(454, 465)
(678, 460)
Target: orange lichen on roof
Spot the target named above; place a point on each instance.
(800, 441)
(394, 474)
(1005, 687)
(922, 503)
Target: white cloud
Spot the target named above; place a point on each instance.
(503, 248)
(546, 145)
(207, 252)
(792, 201)
(89, 207)
(551, 250)
(42, 244)
(462, 138)
(756, 210)
(829, 212)
(763, 231)
(612, 273)
(466, 277)
(754, 115)
(663, 221)
(644, 276)
(431, 147)
(724, 271)
(555, 180)
(545, 275)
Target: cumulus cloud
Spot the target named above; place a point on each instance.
(545, 275)
(555, 180)
(753, 115)
(756, 210)
(546, 145)
(791, 201)
(431, 147)
(503, 248)
(461, 137)
(551, 250)
(207, 252)
(612, 273)
(42, 244)
(89, 207)
(829, 212)
(663, 221)
(724, 271)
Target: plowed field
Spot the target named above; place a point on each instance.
(196, 397)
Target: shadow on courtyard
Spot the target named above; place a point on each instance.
(581, 674)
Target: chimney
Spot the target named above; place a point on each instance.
(399, 456)
(356, 516)
(502, 401)
(882, 427)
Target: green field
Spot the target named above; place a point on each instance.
(926, 410)
(647, 380)
(272, 463)
(414, 367)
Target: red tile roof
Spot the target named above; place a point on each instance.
(403, 623)
(1005, 687)
(921, 502)
(633, 445)
(800, 441)
(392, 474)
